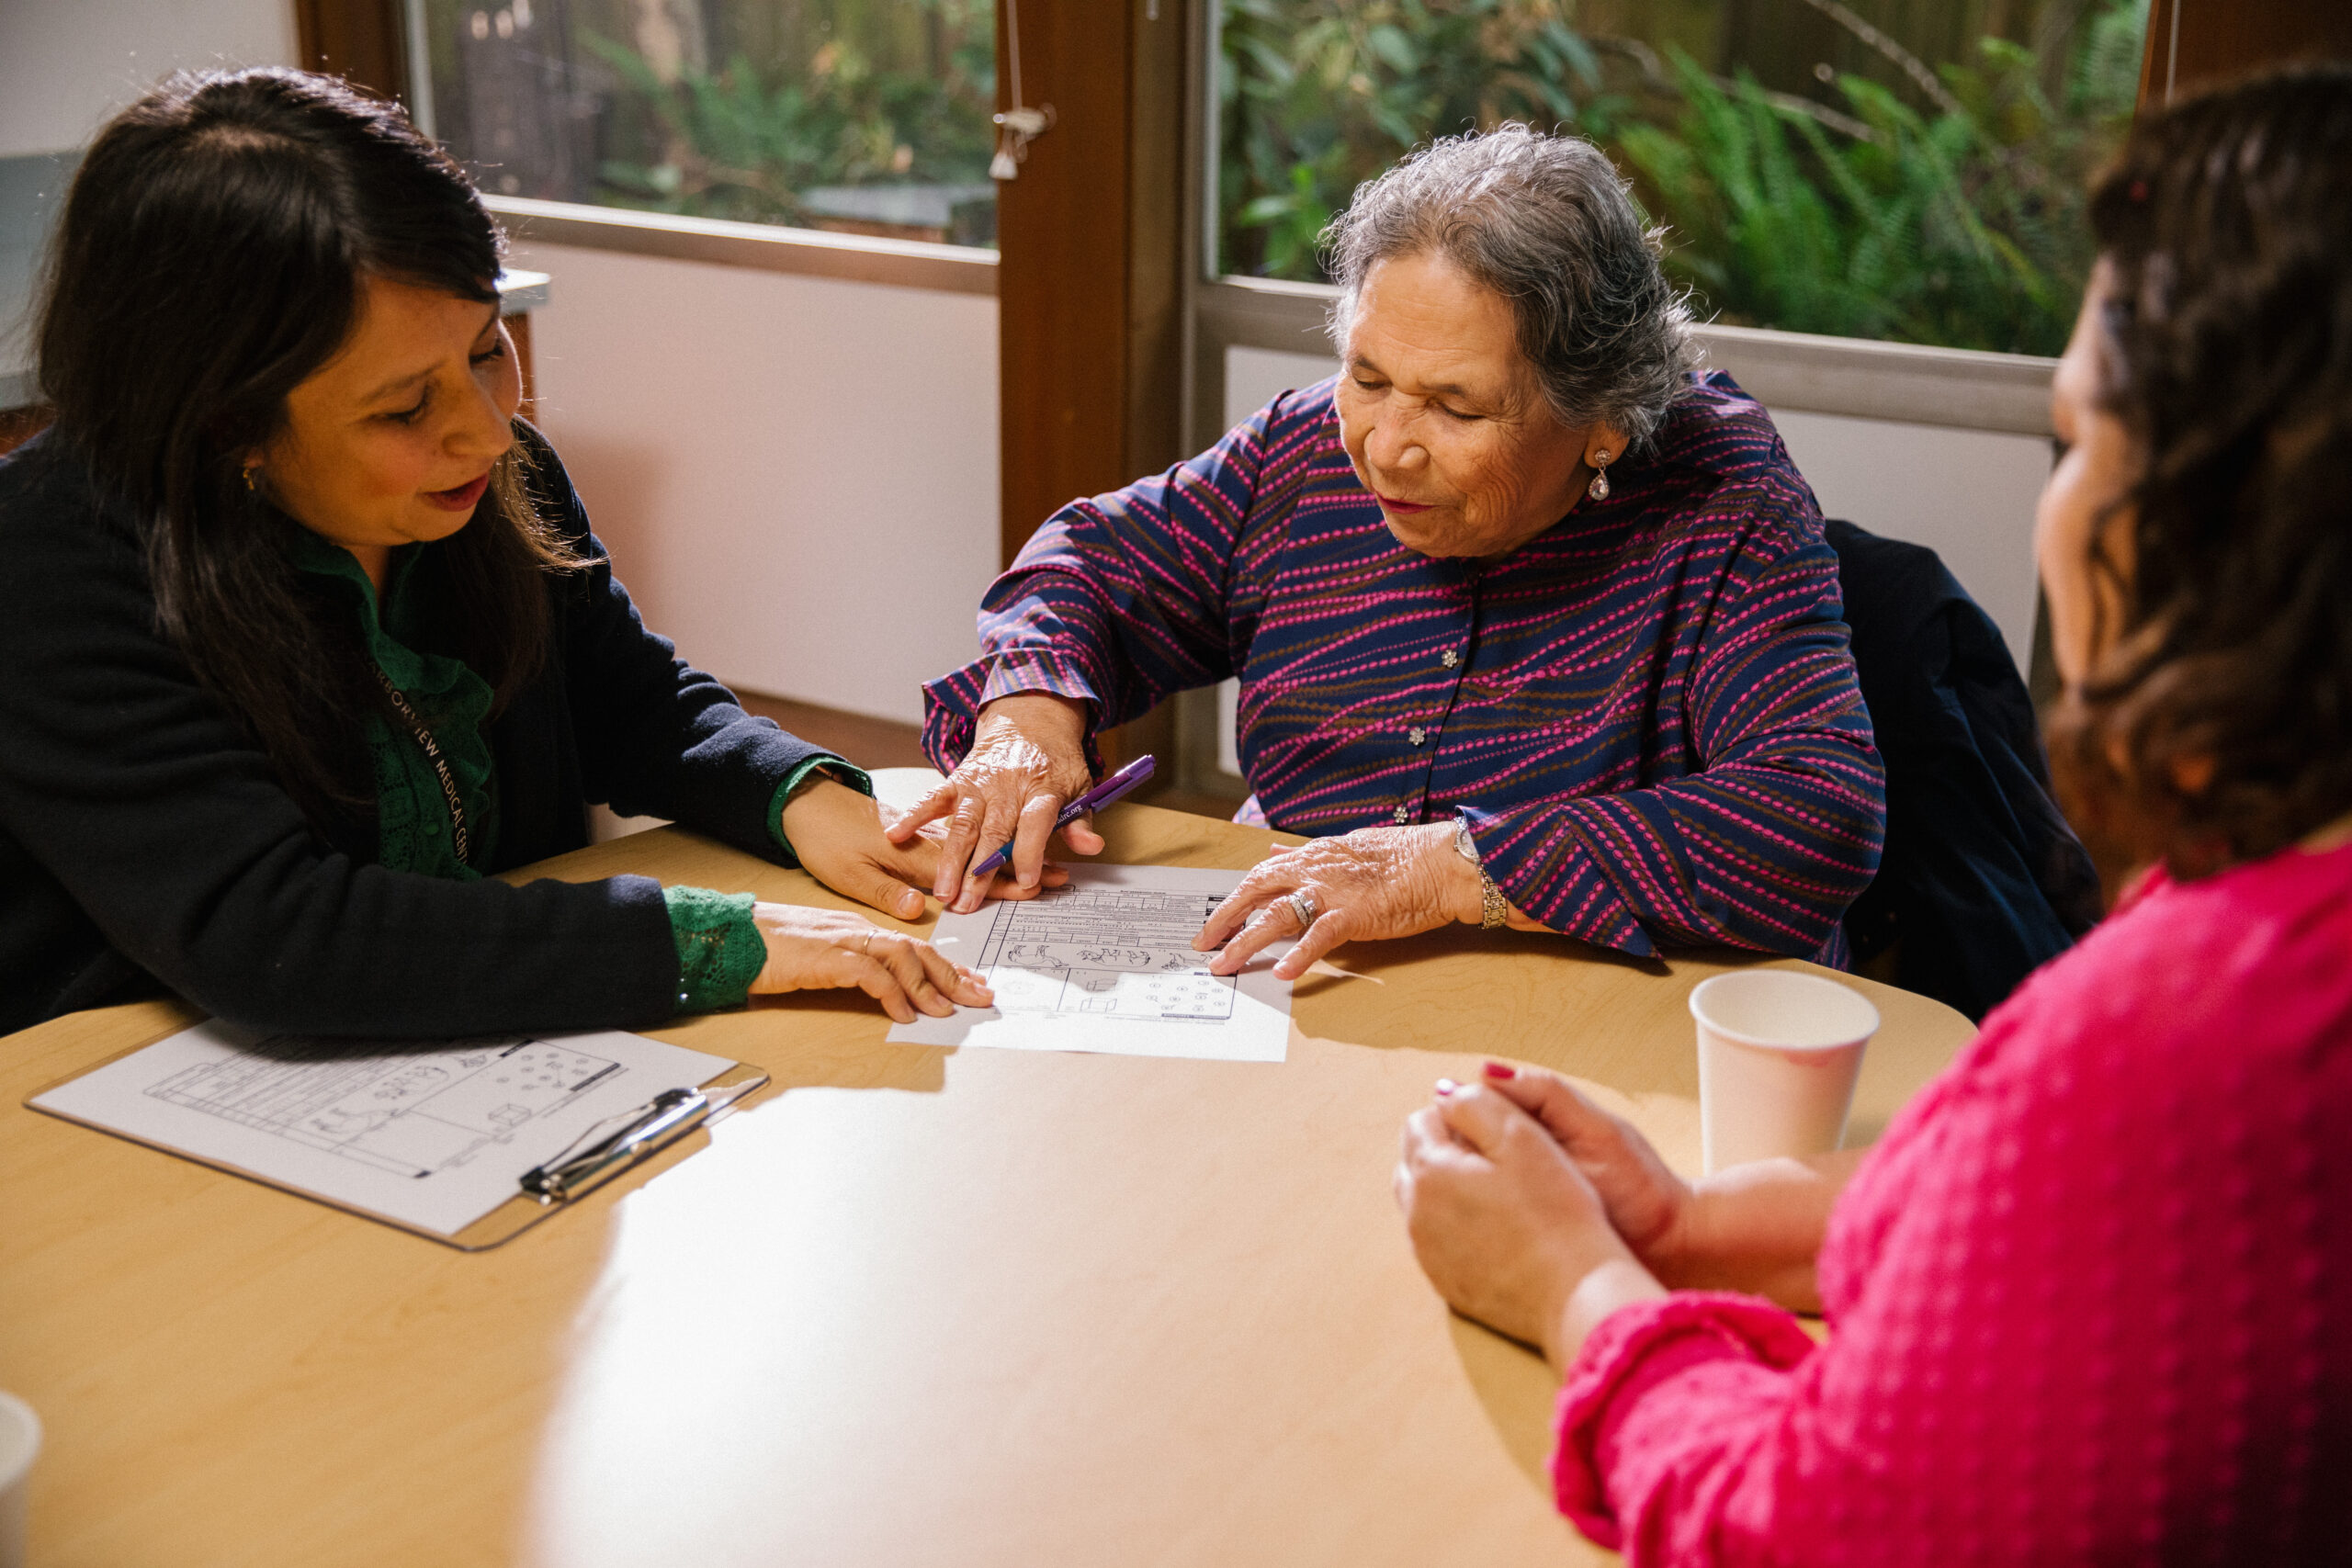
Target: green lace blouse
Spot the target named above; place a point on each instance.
(720, 951)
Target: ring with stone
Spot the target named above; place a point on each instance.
(1302, 903)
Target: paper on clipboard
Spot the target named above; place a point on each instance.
(433, 1137)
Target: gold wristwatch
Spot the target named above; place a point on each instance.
(1494, 911)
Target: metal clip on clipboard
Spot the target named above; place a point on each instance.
(602, 1153)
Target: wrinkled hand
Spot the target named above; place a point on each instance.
(1371, 884)
(1027, 760)
(818, 949)
(1647, 1203)
(1504, 1225)
(847, 842)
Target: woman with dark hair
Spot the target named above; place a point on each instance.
(2090, 1299)
(303, 634)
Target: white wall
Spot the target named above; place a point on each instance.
(65, 65)
(1966, 494)
(796, 477)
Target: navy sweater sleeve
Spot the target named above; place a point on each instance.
(124, 782)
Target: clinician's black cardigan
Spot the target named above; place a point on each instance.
(144, 839)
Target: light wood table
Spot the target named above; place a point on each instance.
(914, 1306)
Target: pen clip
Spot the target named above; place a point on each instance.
(622, 1141)
(1108, 790)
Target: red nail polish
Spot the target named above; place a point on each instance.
(1496, 1070)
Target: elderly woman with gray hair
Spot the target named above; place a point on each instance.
(1534, 624)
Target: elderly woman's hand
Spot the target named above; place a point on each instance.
(1366, 885)
(1027, 760)
(1506, 1227)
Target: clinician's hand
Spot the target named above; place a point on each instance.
(1027, 760)
(811, 950)
(848, 841)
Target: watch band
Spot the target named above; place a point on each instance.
(1494, 909)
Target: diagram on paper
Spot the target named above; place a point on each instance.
(411, 1115)
(1106, 964)
(1114, 952)
(430, 1133)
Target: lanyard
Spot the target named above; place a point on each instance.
(433, 755)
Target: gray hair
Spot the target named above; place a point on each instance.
(1546, 223)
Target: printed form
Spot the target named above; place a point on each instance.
(1106, 964)
(434, 1136)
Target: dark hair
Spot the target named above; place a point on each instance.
(2218, 725)
(212, 253)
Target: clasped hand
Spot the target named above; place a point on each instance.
(1533, 1211)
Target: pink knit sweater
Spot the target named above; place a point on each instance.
(2090, 1299)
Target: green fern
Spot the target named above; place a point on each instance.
(736, 143)
(1964, 228)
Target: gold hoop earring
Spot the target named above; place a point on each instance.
(1599, 489)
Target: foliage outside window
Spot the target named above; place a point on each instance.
(1903, 169)
(861, 115)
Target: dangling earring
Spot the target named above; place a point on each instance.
(1598, 488)
(250, 472)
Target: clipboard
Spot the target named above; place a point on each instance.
(730, 1089)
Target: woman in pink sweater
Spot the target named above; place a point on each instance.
(2091, 1297)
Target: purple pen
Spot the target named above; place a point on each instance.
(1093, 800)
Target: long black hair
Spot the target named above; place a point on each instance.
(2218, 727)
(212, 253)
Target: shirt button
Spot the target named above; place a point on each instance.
(1417, 735)
(1449, 658)
(1404, 813)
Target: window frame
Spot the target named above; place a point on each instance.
(810, 253)
(374, 45)
(1961, 388)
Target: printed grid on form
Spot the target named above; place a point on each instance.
(1117, 951)
(410, 1113)
(1106, 964)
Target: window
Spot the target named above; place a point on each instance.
(1902, 169)
(864, 116)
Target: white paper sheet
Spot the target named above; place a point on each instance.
(1106, 964)
(435, 1136)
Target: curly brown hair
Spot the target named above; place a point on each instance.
(2217, 728)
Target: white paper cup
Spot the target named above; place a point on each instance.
(1777, 1057)
(19, 1442)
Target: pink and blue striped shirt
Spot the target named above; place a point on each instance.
(1647, 716)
